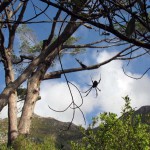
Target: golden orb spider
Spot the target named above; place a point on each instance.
(94, 85)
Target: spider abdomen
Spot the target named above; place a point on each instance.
(95, 83)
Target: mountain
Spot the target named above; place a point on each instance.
(144, 111)
(43, 127)
(46, 126)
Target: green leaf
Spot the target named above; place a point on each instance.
(21, 93)
(113, 132)
(130, 27)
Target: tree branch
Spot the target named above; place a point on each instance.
(101, 26)
(20, 15)
(48, 55)
(4, 4)
(52, 75)
(22, 57)
(53, 26)
(90, 46)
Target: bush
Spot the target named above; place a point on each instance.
(23, 143)
(113, 133)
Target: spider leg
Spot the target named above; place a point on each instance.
(88, 92)
(88, 84)
(99, 81)
(92, 80)
(96, 92)
(98, 88)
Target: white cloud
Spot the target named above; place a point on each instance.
(114, 85)
(57, 96)
(3, 113)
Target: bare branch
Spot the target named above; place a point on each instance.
(130, 58)
(90, 46)
(101, 26)
(20, 15)
(53, 26)
(23, 57)
(26, 21)
(135, 77)
(52, 74)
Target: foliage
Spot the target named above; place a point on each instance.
(124, 133)
(28, 41)
(23, 143)
(36, 48)
(71, 41)
(44, 130)
(72, 52)
(21, 93)
(30, 45)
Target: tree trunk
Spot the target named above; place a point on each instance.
(12, 119)
(29, 104)
(32, 96)
(50, 52)
(35, 79)
(12, 101)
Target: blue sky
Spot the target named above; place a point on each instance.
(114, 84)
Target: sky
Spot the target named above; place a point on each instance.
(114, 83)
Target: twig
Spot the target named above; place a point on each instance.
(136, 78)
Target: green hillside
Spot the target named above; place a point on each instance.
(49, 128)
(43, 128)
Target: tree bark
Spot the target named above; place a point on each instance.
(12, 101)
(29, 104)
(12, 119)
(33, 89)
(4, 4)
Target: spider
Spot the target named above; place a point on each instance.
(94, 85)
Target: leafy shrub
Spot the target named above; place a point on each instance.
(23, 143)
(115, 133)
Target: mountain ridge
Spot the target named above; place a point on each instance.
(42, 127)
